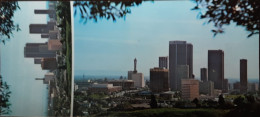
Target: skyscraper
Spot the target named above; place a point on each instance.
(163, 62)
(38, 50)
(203, 74)
(159, 80)
(243, 75)
(180, 53)
(216, 68)
(42, 28)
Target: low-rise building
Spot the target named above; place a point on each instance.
(252, 87)
(54, 44)
(106, 88)
(206, 88)
(190, 89)
(125, 84)
(159, 80)
(49, 63)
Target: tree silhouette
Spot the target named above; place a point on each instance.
(196, 101)
(239, 101)
(153, 102)
(95, 9)
(221, 101)
(223, 12)
(7, 25)
(4, 97)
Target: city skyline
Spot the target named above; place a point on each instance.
(108, 48)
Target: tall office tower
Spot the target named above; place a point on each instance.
(138, 78)
(216, 68)
(203, 74)
(190, 89)
(159, 79)
(163, 62)
(42, 28)
(38, 50)
(180, 53)
(243, 76)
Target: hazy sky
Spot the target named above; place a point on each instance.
(109, 48)
(28, 97)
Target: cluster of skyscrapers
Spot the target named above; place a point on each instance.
(49, 53)
(176, 73)
(45, 53)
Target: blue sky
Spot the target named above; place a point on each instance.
(109, 48)
(28, 97)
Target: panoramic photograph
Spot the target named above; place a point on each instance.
(35, 59)
(166, 58)
(137, 58)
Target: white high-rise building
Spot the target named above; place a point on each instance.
(138, 78)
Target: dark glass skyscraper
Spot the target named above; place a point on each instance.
(38, 50)
(180, 53)
(163, 62)
(243, 75)
(203, 74)
(159, 80)
(216, 68)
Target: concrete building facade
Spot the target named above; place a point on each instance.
(106, 88)
(206, 87)
(54, 45)
(125, 84)
(190, 89)
(138, 78)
